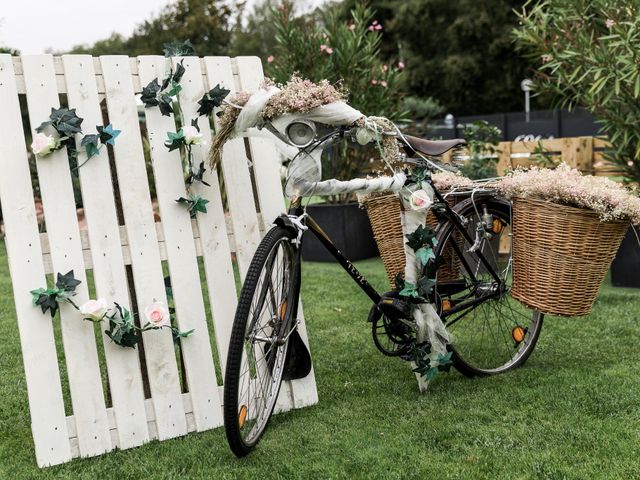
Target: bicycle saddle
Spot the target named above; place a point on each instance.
(433, 147)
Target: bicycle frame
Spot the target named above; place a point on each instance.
(297, 210)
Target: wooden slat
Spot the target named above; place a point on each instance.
(123, 365)
(212, 227)
(236, 174)
(37, 340)
(85, 381)
(266, 164)
(141, 233)
(181, 253)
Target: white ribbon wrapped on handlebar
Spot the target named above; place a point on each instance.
(359, 185)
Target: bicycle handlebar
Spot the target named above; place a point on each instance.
(360, 185)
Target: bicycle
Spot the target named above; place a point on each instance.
(491, 332)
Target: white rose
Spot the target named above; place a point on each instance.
(420, 200)
(43, 144)
(94, 309)
(157, 314)
(191, 135)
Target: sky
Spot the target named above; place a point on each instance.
(34, 26)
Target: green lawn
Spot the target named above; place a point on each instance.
(572, 412)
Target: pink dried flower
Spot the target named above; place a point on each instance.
(447, 180)
(567, 186)
(301, 96)
(270, 59)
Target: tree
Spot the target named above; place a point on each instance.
(206, 23)
(586, 54)
(459, 52)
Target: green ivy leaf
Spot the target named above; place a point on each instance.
(174, 140)
(425, 286)
(122, 330)
(195, 203)
(165, 103)
(90, 143)
(179, 49)
(212, 99)
(150, 94)
(67, 282)
(177, 334)
(424, 254)
(422, 236)
(107, 134)
(177, 76)
(409, 290)
(198, 175)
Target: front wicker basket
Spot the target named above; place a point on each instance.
(384, 214)
(560, 255)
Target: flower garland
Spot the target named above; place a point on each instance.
(122, 328)
(165, 96)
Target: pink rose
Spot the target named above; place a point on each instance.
(420, 200)
(43, 144)
(157, 314)
(270, 59)
(94, 309)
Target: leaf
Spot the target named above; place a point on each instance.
(149, 94)
(424, 254)
(425, 286)
(195, 203)
(176, 88)
(107, 134)
(122, 330)
(198, 176)
(165, 104)
(212, 99)
(90, 143)
(409, 290)
(65, 121)
(179, 49)
(177, 334)
(174, 140)
(67, 282)
(177, 76)
(422, 236)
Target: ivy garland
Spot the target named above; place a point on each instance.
(122, 328)
(165, 97)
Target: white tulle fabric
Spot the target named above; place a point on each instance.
(429, 324)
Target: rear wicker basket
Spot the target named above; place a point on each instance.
(560, 255)
(384, 214)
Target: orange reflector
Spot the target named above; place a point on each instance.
(497, 226)
(283, 310)
(242, 416)
(446, 305)
(518, 334)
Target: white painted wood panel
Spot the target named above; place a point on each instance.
(181, 254)
(56, 190)
(143, 242)
(212, 227)
(37, 341)
(123, 365)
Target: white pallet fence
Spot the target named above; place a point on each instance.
(184, 394)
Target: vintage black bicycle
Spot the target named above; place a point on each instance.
(490, 332)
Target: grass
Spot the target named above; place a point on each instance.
(572, 412)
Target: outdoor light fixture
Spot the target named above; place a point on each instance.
(301, 133)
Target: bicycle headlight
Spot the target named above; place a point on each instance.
(301, 133)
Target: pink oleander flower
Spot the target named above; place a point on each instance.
(610, 23)
(384, 83)
(157, 314)
(400, 65)
(567, 186)
(546, 58)
(352, 26)
(329, 50)
(385, 68)
(270, 59)
(374, 82)
(323, 47)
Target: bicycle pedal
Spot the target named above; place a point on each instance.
(394, 307)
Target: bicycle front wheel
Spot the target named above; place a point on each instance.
(495, 333)
(259, 342)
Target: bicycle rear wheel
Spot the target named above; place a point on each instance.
(498, 333)
(259, 342)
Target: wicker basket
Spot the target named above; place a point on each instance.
(384, 213)
(560, 255)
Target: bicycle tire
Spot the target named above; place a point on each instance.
(467, 363)
(237, 414)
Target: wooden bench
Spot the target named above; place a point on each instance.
(87, 395)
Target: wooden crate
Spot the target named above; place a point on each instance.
(125, 256)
